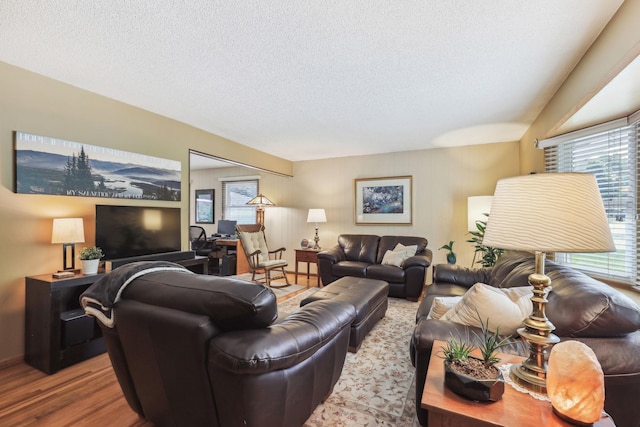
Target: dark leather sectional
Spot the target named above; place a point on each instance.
(580, 307)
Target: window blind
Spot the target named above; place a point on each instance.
(235, 195)
(611, 156)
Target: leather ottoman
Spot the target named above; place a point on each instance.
(368, 297)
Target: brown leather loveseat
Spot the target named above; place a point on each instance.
(580, 307)
(361, 255)
(198, 350)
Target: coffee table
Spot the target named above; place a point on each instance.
(514, 409)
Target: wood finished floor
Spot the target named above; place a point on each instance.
(85, 394)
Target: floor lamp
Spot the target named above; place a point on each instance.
(260, 201)
(68, 231)
(552, 212)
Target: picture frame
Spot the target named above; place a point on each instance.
(383, 201)
(54, 166)
(205, 203)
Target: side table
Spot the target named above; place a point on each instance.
(514, 409)
(309, 256)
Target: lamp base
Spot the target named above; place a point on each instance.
(528, 379)
(316, 240)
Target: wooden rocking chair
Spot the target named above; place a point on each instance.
(260, 258)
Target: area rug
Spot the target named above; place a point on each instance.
(376, 387)
(280, 292)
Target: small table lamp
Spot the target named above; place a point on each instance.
(551, 212)
(68, 231)
(262, 201)
(316, 215)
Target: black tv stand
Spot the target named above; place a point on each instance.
(165, 256)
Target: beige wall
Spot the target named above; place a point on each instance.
(31, 103)
(34, 104)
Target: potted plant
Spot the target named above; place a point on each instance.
(471, 377)
(90, 258)
(489, 255)
(451, 256)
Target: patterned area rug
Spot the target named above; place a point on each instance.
(377, 385)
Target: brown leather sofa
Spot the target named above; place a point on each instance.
(199, 350)
(361, 255)
(580, 307)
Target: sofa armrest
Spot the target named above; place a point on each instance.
(333, 255)
(284, 344)
(420, 260)
(458, 275)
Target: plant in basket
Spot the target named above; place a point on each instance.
(471, 377)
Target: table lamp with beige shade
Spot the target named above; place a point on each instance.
(551, 212)
(68, 231)
(316, 216)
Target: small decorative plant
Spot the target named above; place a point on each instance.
(489, 255)
(451, 256)
(93, 252)
(490, 343)
(471, 377)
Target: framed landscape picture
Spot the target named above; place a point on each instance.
(205, 200)
(383, 201)
(46, 165)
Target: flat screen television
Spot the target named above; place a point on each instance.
(128, 231)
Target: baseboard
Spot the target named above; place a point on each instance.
(11, 361)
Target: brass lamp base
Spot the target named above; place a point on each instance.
(316, 240)
(532, 373)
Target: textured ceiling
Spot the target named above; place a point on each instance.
(315, 79)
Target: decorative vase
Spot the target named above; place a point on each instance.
(481, 390)
(90, 266)
(451, 258)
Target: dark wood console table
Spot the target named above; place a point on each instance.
(52, 307)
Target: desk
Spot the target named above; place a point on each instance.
(242, 264)
(309, 256)
(514, 409)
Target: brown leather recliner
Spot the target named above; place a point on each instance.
(361, 255)
(580, 307)
(196, 350)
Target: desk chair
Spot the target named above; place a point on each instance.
(254, 244)
(204, 247)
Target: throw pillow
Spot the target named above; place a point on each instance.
(393, 258)
(505, 309)
(441, 305)
(399, 254)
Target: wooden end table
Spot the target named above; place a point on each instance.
(309, 256)
(514, 409)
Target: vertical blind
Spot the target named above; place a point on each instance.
(235, 195)
(612, 156)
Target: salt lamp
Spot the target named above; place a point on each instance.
(575, 383)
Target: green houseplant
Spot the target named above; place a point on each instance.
(488, 255)
(475, 378)
(90, 258)
(451, 256)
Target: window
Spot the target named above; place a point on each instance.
(235, 195)
(610, 152)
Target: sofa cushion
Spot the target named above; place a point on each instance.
(350, 268)
(388, 273)
(580, 306)
(359, 247)
(504, 309)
